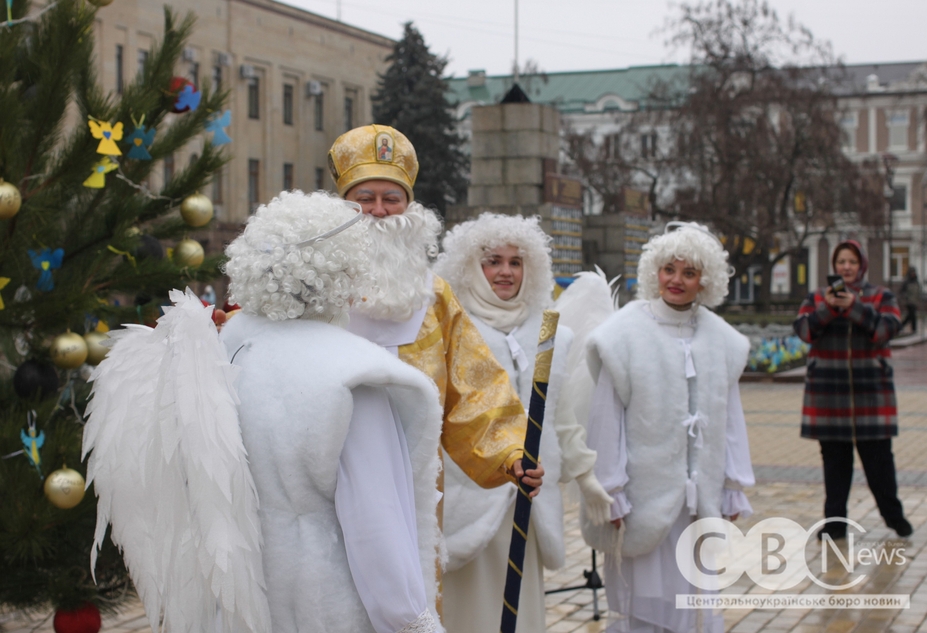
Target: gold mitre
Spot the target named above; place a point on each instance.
(373, 152)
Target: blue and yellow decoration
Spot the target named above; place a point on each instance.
(32, 439)
(46, 260)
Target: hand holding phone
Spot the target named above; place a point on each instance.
(837, 283)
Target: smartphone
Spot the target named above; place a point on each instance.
(836, 282)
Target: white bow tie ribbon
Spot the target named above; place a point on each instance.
(694, 425)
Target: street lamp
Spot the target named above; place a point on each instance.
(889, 161)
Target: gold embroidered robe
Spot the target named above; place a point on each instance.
(484, 420)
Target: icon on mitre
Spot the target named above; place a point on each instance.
(384, 145)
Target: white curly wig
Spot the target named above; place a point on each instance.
(474, 238)
(694, 244)
(272, 274)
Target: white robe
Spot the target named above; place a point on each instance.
(342, 440)
(478, 522)
(643, 588)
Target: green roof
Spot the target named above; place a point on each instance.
(579, 91)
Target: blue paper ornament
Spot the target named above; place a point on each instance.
(217, 124)
(140, 140)
(46, 260)
(188, 100)
(32, 440)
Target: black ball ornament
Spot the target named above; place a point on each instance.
(35, 377)
(149, 248)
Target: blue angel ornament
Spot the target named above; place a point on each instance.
(217, 124)
(188, 100)
(46, 260)
(33, 440)
(140, 140)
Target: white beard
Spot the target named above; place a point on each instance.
(400, 262)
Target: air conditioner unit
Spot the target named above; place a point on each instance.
(189, 54)
(313, 88)
(223, 59)
(247, 71)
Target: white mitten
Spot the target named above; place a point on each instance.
(598, 501)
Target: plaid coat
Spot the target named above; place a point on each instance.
(849, 389)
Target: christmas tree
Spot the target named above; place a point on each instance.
(411, 97)
(80, 252)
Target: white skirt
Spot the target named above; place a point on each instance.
(643, 590)
(472, 595)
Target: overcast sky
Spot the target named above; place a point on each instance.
(562, 35)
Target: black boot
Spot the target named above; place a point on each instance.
(835, 530)
(901, 526)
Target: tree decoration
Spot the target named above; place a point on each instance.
(86, 618)
(186, 96)
(69, 350)
(129, 256)
(35, 378)
(64, 488)
(189, 253)
(140, 140)
(46, 260)
(10, 200)
(217, 125)
(4, 281)
(149, 248)
(96, 351)
(32, 440)
(9, 10)
(108, 135)
(196, 210)
(47, 153)
(97, 180)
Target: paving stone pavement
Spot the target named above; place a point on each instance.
(788, 485)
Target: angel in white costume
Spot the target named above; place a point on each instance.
(341, 440)
(667, 423)
(500, 269)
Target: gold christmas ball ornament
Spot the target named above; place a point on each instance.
(69, 350)
(189, 253)
(10, 200)
(64, 488)
(196, 210)
(96, 352)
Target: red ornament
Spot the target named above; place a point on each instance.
(85, 619)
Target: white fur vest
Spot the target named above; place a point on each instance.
(647, 366)
(296, 405)
(473, 515)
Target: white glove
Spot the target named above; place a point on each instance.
(598, 501)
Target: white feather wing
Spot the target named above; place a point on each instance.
(171, 473)
(583, 306)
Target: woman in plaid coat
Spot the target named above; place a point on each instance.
(849, 389)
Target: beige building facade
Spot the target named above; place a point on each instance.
(883, 113)
(297, 81)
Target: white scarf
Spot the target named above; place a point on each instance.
(479, 300)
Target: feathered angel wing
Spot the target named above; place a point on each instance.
(583, 306)
(171, 473)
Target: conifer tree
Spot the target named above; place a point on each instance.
(110, 269)
(411, 97)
